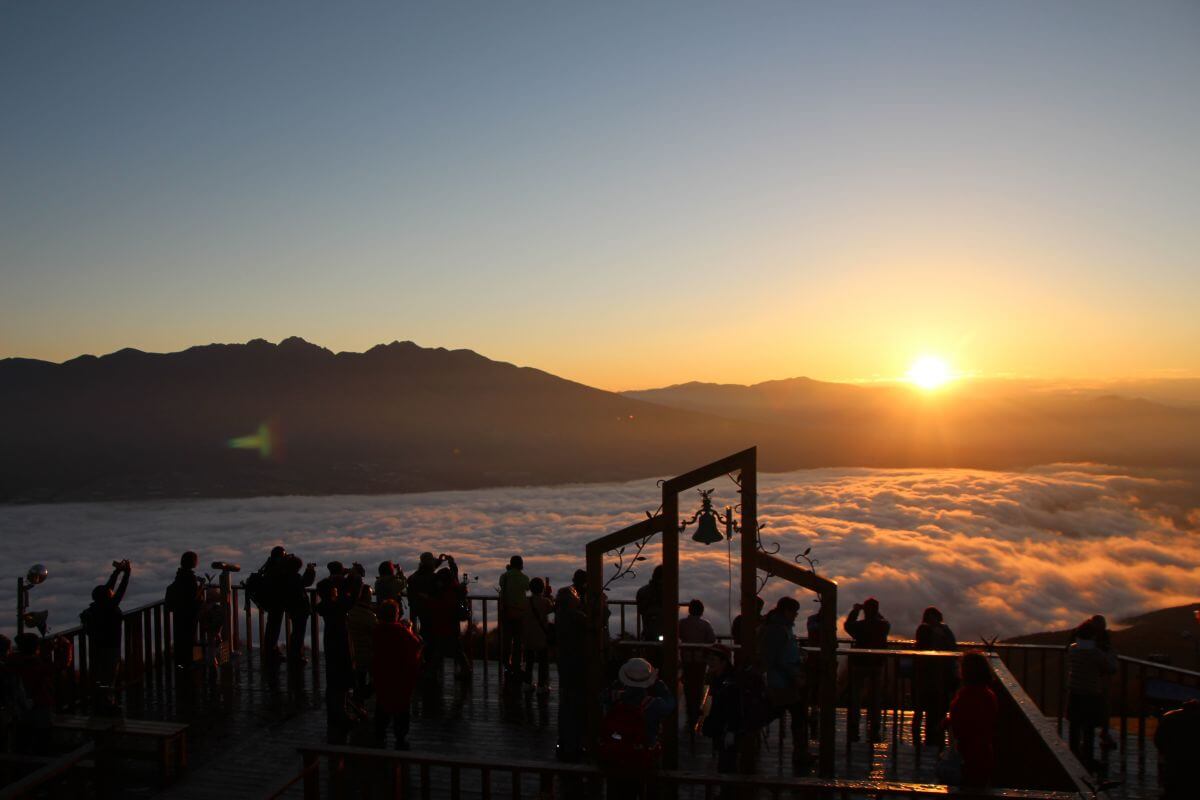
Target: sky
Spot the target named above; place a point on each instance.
(1001, 553)
(625, 194)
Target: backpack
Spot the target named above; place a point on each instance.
(256, 586)
(13, 697)
(623, 737)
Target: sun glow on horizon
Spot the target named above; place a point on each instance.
(929, 372)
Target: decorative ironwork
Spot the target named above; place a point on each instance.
(625, 569)
(805, 558)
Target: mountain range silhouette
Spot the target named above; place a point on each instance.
(404, 418)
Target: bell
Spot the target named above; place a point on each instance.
(37, 574)
(36, 619)
(706, 530)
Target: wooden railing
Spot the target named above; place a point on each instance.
(1039, 669)
(353, 771)
(50, 771)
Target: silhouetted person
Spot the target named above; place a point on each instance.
(391, 584)
(1088, 668)
(650, 606)
(362, 622)
(571, 627)
(103, 623)
(395, 667)
(36, 671)
(869, 633)
(633, 713)
(936, 679)
(783, 662)
(420, 591)
(973, 714)
(537, 633)
(735, 627)
(14, 703)
(1178, 742)
(445, 614)
(694, 629)
(337, 594)
(723, 716)
(183, 600)
(514, 585)
(293, 596)
(274, 574)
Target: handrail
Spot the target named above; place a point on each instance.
(832, 786)
(40, 777)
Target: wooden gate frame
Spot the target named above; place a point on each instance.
(752, 559)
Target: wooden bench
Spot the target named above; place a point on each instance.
(125, 735)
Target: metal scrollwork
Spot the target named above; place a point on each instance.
(623, 566)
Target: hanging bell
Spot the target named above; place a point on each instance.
(706, 530)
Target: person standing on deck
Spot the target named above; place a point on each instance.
(103, 623)
(420, 592)
(294, 598)
(973, 714)
(391, 584)
(538, 635)
(362, 621)
(694, 629)
(1088, 668)
(274, 576)
(1178, 742)
(936, 679)
(183, 600)
(395, 667)
(514, 588)
(336, 595)
(571, 627)
(869, 633)
(781, 658)
(649, 606)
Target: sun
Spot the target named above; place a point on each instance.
(929, 372)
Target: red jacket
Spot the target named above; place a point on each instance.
(395, 665)
(973, 713)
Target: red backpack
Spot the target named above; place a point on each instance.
(623, 739)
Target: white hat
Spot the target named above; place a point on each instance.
(638, 673)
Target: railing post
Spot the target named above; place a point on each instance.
(1141, 719)
(1123, 686)
(312, 776)
(485, 642)
(315, 641)
(234, 632)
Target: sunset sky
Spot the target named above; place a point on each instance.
(625, 195)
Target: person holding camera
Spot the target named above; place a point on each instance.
(102, 622)
(869, 633)
(391, 584)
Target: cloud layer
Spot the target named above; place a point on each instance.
(1000, 552)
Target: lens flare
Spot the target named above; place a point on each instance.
(263, 441)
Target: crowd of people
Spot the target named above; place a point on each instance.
(382, 637)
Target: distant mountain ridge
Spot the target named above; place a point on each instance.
(398, 417)
(402, 418)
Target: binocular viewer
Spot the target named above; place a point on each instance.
(225, 566)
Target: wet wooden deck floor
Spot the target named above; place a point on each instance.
(244, 735)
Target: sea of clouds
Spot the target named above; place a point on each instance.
(1002, 553)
